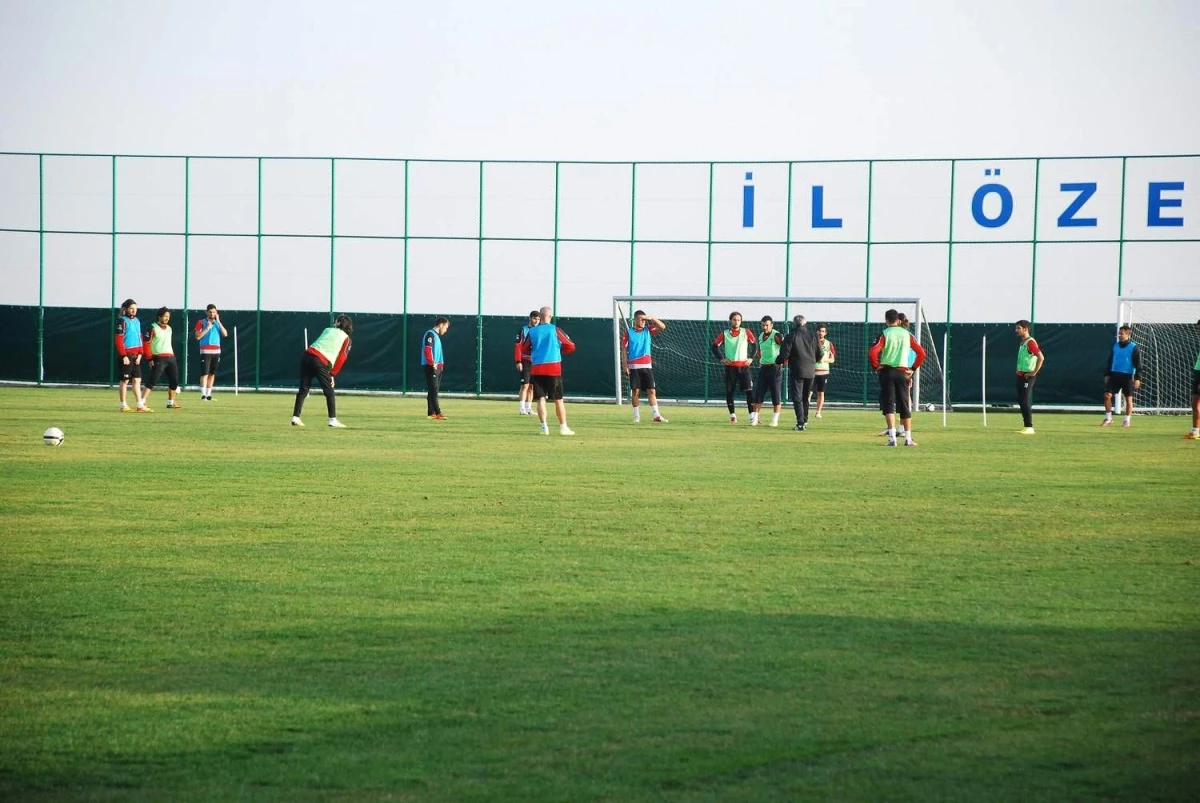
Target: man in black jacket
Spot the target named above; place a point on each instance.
(801, 353)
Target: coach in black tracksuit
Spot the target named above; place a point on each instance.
(801, 352)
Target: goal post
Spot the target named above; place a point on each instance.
(1165, 331)
(687, 373)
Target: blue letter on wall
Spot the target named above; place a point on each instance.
(819, 221)
(1157, 203)
(1086, 190)
(1006, 204)
(748, 203)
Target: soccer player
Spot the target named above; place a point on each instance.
(432, 364)
(521, 358)
(129, 355)
(547, 345)
(1120, 375)
(209, 331)
(322, 361)
(736, 348)
(821, 374)
(890, 358)
(1195, 432)
(801, 353)
(769, 376)
(1029, 362)
(637, 364)
(161, 355)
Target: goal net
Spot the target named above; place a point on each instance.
(686, 372)
(1165, 331)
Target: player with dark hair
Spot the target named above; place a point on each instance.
(432, 363)
(161, 355)
(1121, 375)
(322, 361)
(1030, 359)
(129, 355)
(547, 345)
(801, 353)
(521, 358)
(209, 331)
(821, 372)
(736, 348)
(769, 367)
(1194, 434)
(637, 364)
(890, 357)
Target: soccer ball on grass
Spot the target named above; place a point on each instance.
(53, 437)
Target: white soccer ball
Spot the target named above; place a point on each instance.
(53, 437)
(931, 407)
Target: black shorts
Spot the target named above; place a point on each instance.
(131, 371)
(208, 363)
(641, 379)
(770, 380)
(735, 375)
(893, 392)
(819, 383)
(525, 366)
(1120, 383)
(547, 387)
(1196, 383)
(164, 365)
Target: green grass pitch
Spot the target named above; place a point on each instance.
(208, 604)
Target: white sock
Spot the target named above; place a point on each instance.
(891, 433)
(637, 413)
(654, 410)
(1108, 416)
(774, 418)
(1127, 419)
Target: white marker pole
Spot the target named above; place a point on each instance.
(235, 362)
(983, 380)
(306, 338)
(945, 383)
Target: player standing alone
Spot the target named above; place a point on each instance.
(432, 363)
(1029, 362)
(209, 332)
(638, 366)
(322, 361)
(736, 349)
(1120, 375)
(891, 357)
(522, 359)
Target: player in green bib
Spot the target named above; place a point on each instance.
(1029, 362)
(769, 376)
(895, 356)
(321, 361)
(161, 354)
(1195, 433)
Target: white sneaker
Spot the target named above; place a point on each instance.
(296, 422)
(774, 422)
(637, 419)
(565, 430)
(753, 421)
(335, 424)
(545, 430)
(658, 419)
(1025, 431)
(818, 415)
(733, 418)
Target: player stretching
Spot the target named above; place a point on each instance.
(821, 374)
(1029, 362)
(635, 356)
(890, 358)
(547, 345)
(769, 367)
(161, 355)
(736, 349)
(129, 355)
(1195, 433)
(1120, 375)
(209, 332)
(522, 359)
(322, 361)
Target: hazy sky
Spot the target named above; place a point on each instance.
(618, 80)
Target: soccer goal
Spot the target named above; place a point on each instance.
(1165, 331)
(686, 371)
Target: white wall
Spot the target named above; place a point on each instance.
(1018, 247)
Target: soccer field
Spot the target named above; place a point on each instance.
(210, 604)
